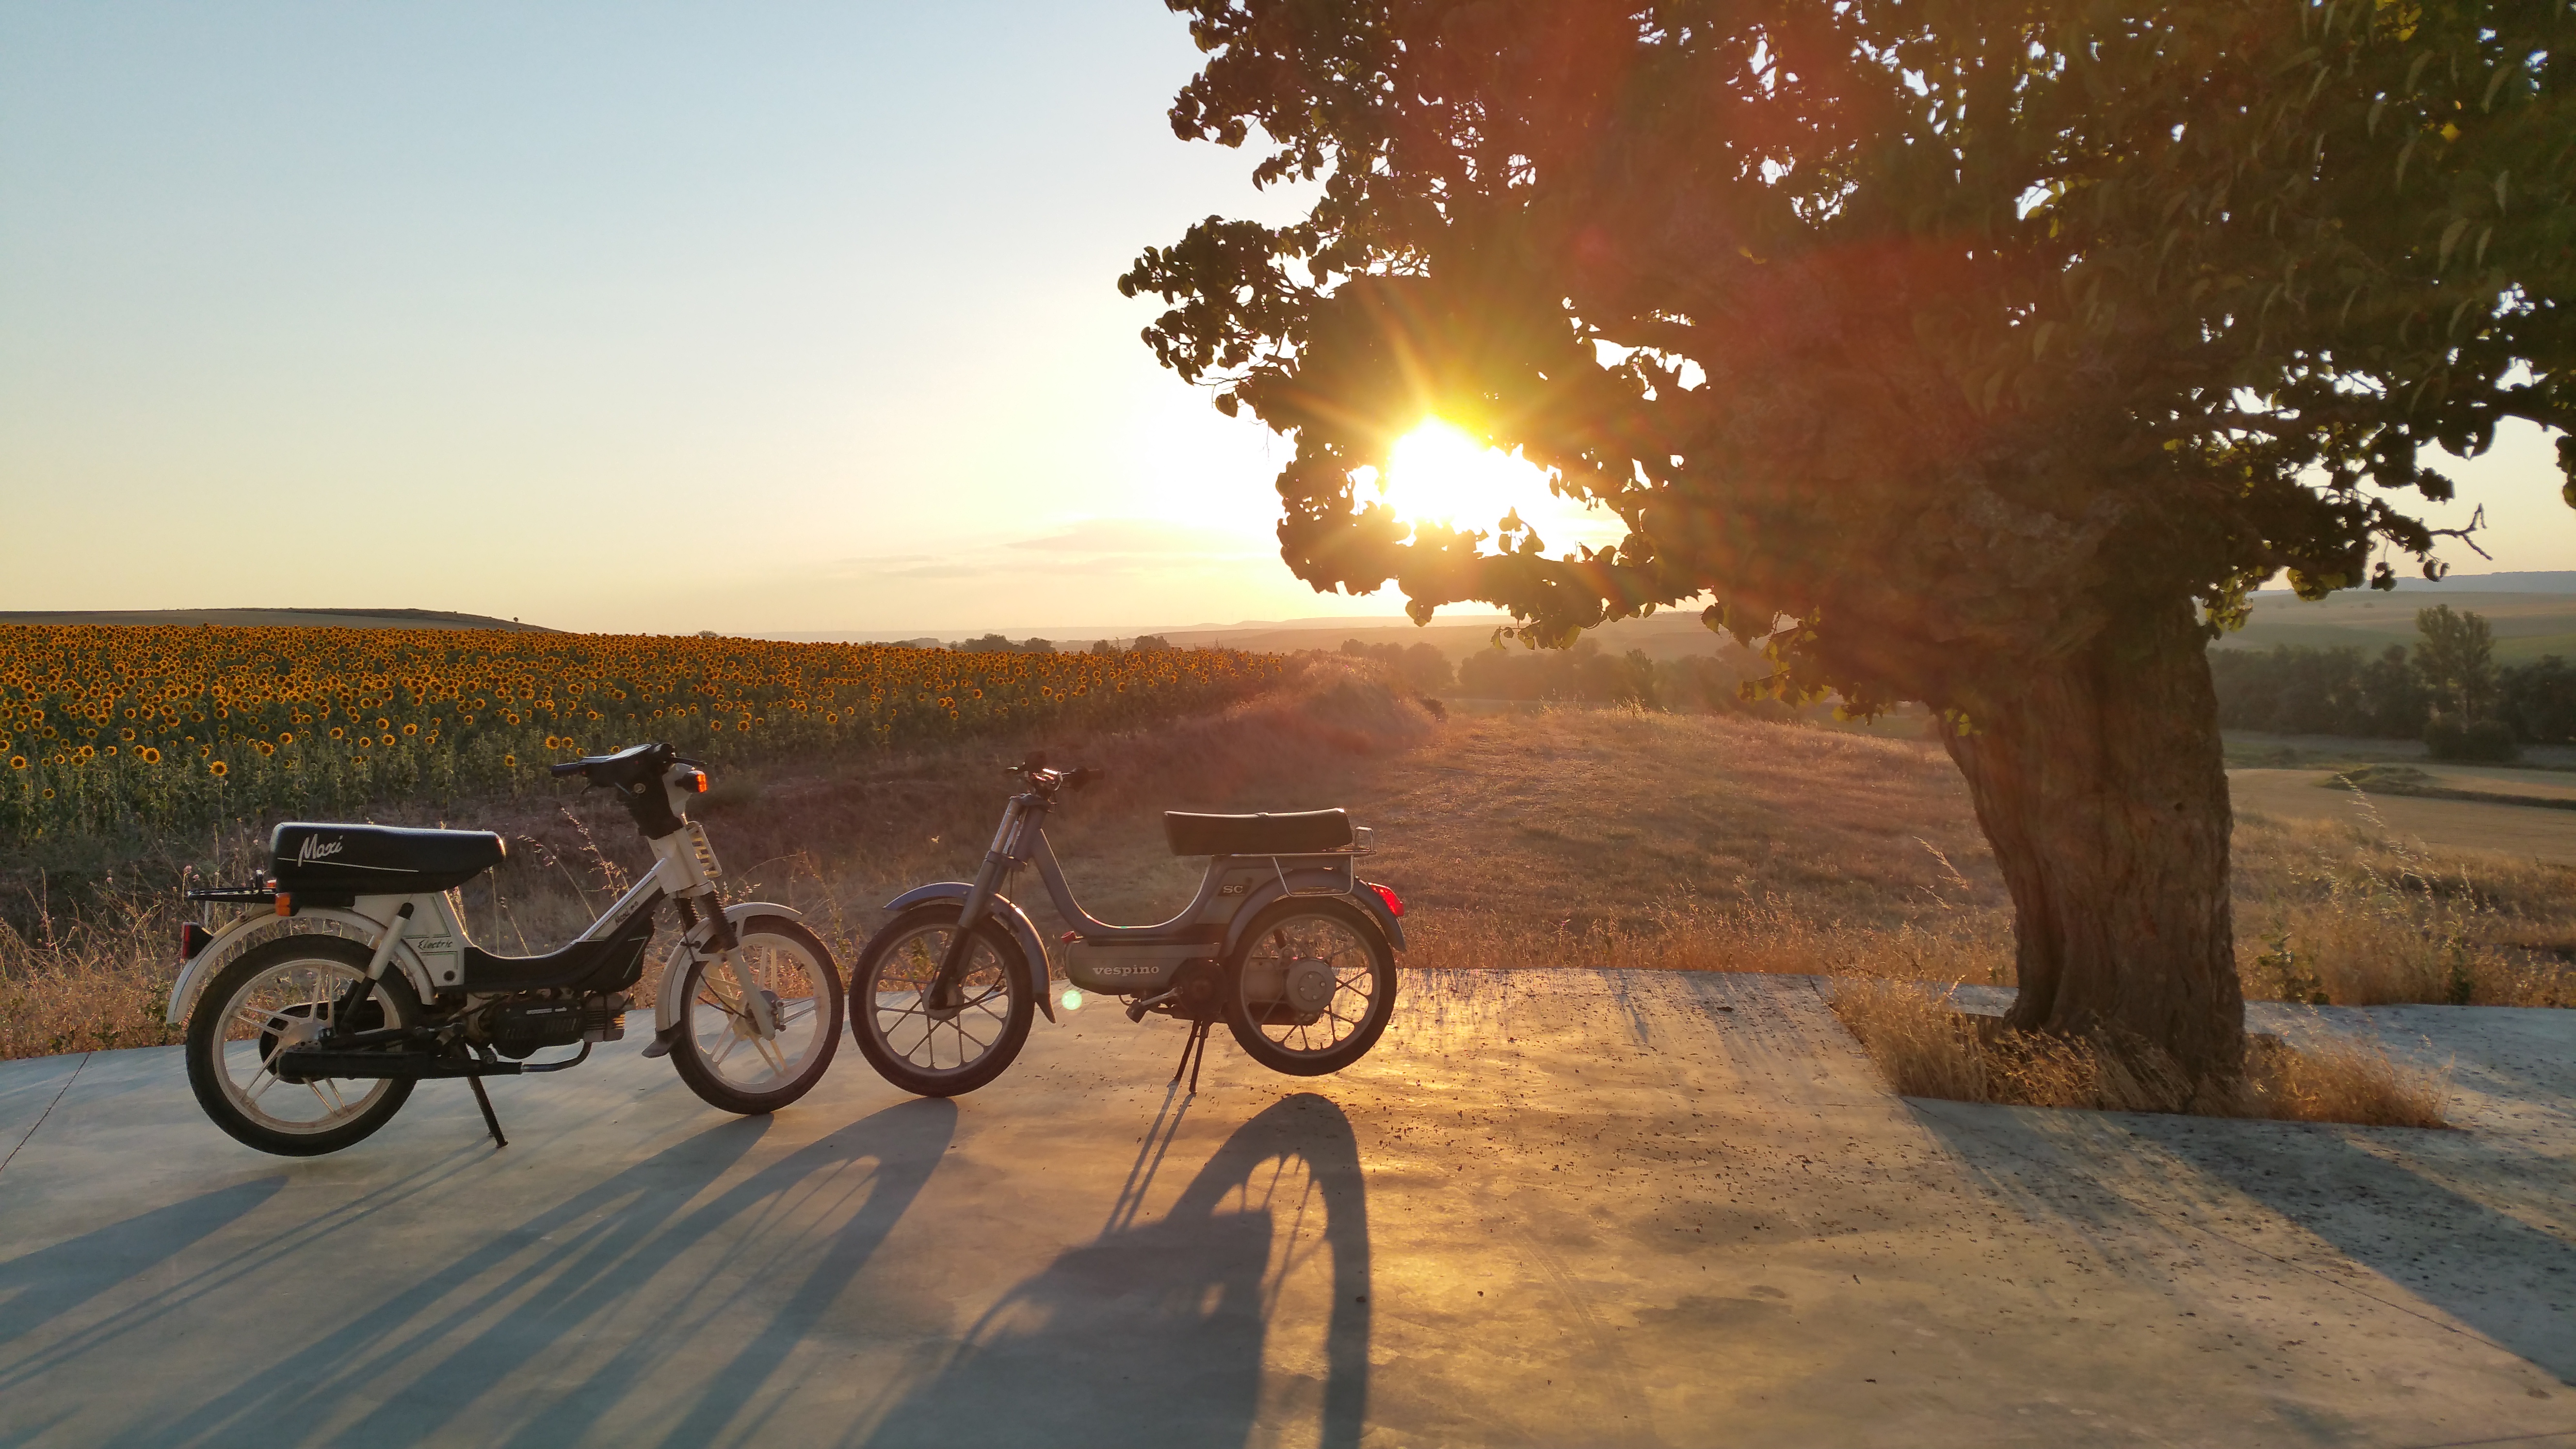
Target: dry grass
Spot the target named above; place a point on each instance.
(2349, 913)
(1767, 935)
(1926, 1048)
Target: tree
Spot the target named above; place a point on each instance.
(1979, 355)
(2456, 657)
(1422, 667)
(2539, 700)
(998, 644)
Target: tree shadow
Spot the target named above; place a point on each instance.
(1157, 1333)
(2111, 1176)
(613, 1262)
(2511, 1283)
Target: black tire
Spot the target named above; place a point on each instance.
(719, 1053)
(896, 1033)
(1309, 1038)
(235, 1028)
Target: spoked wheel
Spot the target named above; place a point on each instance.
(1310, 989)
(724, 1055)
(281, 995)
(930, 1052)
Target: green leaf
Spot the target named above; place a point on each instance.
(2450, 239)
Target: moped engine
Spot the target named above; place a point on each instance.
(1283, 993)
(521, 1026)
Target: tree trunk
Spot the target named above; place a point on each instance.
(2101, 785)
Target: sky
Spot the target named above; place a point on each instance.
(647, 317)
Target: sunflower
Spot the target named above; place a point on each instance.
(219, 769)
(148, 755)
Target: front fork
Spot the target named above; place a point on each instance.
(948, 987)
(728, 948)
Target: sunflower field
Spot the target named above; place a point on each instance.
(109, 729)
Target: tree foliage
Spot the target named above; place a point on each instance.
(1954, 333)
(2457, 660)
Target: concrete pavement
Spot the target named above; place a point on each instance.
(1552, 1208)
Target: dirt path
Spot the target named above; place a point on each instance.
(2532, 832)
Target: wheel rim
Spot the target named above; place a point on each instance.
(286, 1004)
(937, 1043)
(1309, 984)
(721, 1026)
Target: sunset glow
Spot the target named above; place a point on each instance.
(1437, 473)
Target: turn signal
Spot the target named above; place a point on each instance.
(695, 782)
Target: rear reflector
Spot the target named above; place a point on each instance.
(192, 939)
(1394, 903)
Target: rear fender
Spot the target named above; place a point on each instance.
(1311, 883)
(252, 931)
(1013, 919)
(666, 1005)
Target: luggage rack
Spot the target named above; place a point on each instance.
(250, 895)
(1347, 865)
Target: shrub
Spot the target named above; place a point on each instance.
(2486, 741)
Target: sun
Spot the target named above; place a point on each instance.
(1438, 474)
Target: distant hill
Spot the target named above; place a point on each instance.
(2533, 582)
(2528, 623)
(276, 618)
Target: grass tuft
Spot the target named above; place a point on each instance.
(1924, 1047)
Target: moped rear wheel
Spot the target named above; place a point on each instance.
(1311, 988)
(274, 997)
(721, 1053)
(939, 1053)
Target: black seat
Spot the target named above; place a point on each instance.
(378, 860)
(1298, 833)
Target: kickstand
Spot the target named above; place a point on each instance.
(489, 1120)
(1198, 1039)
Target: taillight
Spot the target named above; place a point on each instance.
(192, 939)
(1394, 903)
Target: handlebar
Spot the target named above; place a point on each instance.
(1047, 782)
(568, 767)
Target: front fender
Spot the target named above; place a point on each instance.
(230, 942)
(666, 1004)
(1316, 882)
(1013, 919)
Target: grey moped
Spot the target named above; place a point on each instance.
(1283, 941)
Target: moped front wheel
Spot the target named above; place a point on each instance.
(280, 995)
(722, 1053)
(939, 1053)
(1311, 988)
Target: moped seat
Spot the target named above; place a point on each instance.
(377, 860)
(1295, 833)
